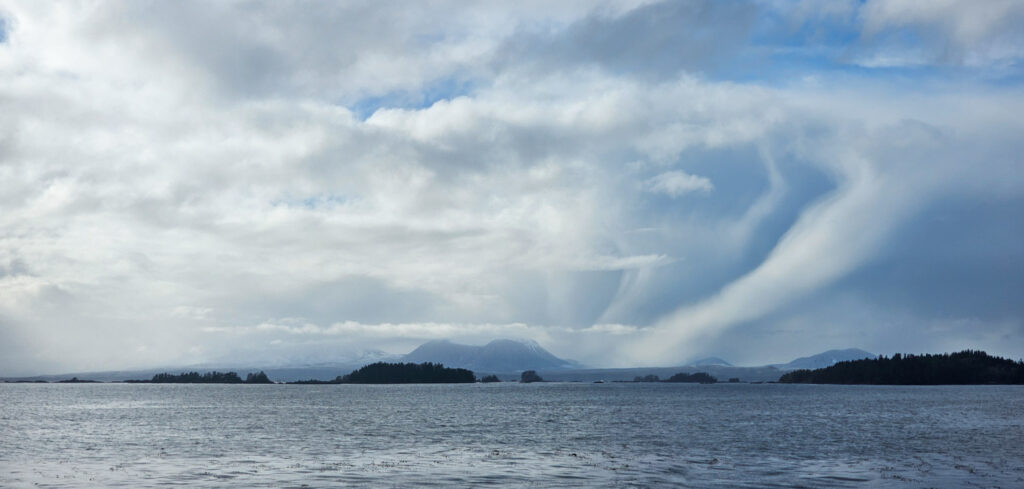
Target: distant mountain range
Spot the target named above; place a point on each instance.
(496, 356)
(826, 359)
(504, 357)
(710, 361)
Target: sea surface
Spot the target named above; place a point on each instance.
(511, 435)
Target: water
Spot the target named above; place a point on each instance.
(509, 435)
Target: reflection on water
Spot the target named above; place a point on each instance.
(536, 435)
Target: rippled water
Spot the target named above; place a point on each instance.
(536, 435)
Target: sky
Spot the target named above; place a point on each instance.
(626, 182)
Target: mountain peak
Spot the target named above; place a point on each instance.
(500, 355)
(826, 359)
(710, 361)
(510, 341)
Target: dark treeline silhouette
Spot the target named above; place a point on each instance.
(260, 378)
(347, 378)
(207, 378)
(966, 367)
(407, 373)
(76, 380)
(316, 382)
(530, 376)
(699, 377)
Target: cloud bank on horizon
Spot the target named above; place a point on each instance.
(627, 183)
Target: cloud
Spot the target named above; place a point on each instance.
(907, 33)
(656, 40)
(952, 31)
(677, 182)
(828, 241)
(881, 186)
(174, 172)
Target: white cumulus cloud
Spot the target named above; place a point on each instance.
(677, 182)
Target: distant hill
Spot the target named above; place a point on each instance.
(709, 361)
(496, 356)
(826, 359)
(745, 374)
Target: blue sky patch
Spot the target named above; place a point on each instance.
(421, 98)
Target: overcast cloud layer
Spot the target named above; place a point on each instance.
(628, 183)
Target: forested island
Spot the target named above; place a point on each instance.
(207, 378)
(408, 373)
(965, 367)
(694, 378)
(530, 376)
(401, 373)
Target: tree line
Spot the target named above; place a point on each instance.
(965, 367)
(401, 373)
(214, 377)
(698, 377)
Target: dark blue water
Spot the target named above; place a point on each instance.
(536, 435)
